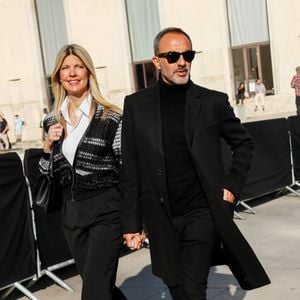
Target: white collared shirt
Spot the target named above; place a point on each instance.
(75, 133)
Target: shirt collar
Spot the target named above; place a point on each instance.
(84, 107)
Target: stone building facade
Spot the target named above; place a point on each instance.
(111, 30)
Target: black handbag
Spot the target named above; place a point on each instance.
(47, 196)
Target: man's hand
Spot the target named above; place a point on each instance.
(228, 196)
(135, 240)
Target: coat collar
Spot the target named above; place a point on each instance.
(194, 100)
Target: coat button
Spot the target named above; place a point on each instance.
(159, 172)
(161, 200)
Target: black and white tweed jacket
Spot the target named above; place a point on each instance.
(98, 156)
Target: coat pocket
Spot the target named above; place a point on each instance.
(229, 207)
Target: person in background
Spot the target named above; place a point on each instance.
(241, 94)
(295, 84)
(82, 153)
(260, 91)
(18, 128)
(173, 180)
(3, 132)
(45, 113)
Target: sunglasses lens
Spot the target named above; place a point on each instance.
(173, 57)
(188, 55)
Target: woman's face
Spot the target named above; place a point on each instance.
(73, 75)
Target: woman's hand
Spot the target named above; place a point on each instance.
(54, 134)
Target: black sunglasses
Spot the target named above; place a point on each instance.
(173, 56)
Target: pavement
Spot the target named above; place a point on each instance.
(273, 232)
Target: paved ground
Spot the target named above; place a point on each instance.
(274, 233)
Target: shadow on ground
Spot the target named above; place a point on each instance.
(145, 286)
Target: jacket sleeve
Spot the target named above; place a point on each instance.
(130, 213)
(242, 147)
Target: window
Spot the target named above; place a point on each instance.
(248, 22)
(249, 36)
(145, 74)
(143, 24)
(53, 35)
(250, 63)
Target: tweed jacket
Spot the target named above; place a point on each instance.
(98, 156)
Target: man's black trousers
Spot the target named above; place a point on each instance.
(198, 237)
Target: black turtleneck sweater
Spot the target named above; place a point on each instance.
(184, 188)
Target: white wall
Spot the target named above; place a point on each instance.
(284, 20)
(205, 22)
(101, 27)
(22, 91)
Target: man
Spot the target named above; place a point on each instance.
(295, 84)
(173, 178)
(18, 128)
(260, 91)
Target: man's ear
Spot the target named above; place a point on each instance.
(156, 62)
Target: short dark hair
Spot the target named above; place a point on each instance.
(164, 32)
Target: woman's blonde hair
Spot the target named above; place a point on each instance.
(58, 90)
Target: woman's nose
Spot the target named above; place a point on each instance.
(72, 72)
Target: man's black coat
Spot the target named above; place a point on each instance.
(209, 118)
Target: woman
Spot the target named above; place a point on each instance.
(241, 93)
(82, 153)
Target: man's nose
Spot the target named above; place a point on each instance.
(181, 61)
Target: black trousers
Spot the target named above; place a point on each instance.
(198, 237)
(96, 251)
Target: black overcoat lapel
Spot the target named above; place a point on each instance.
(193, 107)
(152, 109)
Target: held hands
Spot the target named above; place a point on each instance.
(134, 241)
(54, 134)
